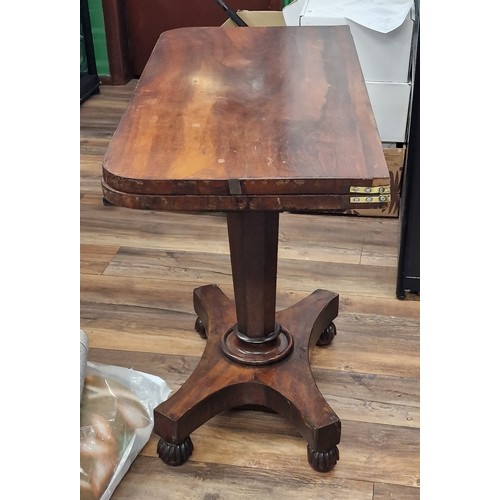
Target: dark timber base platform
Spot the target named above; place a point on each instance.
(286, 386)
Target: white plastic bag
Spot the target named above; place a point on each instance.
(116, 421)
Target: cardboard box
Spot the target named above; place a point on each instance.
(258, 18)
(394, 156)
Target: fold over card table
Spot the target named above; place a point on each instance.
(252, 122)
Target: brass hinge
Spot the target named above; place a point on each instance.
(370, 194)
(370, 189)
(383, 198)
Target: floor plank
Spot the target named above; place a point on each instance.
(150, 478)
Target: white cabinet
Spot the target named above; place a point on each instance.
(385, 57)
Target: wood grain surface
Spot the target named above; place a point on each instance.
(274, 110)
(138, 272)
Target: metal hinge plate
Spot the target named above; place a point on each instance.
(370, 194)
(370, 189)
(383, 198)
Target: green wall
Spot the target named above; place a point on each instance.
(99, 37)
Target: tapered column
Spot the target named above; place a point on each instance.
(253, 241)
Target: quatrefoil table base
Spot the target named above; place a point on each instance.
(286, 386)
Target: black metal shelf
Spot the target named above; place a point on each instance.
(408, 276)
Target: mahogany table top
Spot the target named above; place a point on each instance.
(257, 118)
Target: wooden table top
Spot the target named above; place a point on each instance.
(250, 118)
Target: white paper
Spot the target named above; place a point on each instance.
(379, 15)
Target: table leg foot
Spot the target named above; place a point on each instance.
(199, 327)
(322, 461)
(175, 454)
(327, 335)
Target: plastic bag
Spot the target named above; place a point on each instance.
(116, 421)
(84, 349)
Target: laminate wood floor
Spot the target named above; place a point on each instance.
(138, 270)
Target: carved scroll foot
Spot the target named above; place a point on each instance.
(175, 454)
(327, 335)
(322, 461)
(200, 328)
